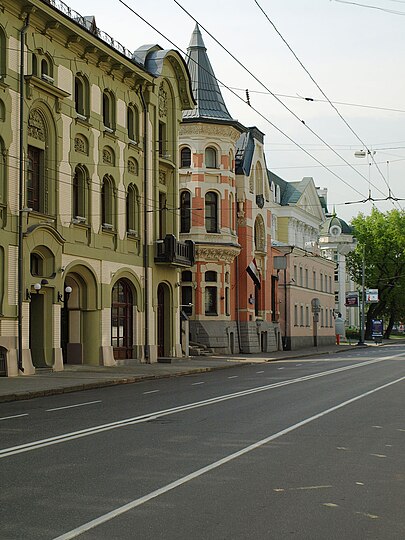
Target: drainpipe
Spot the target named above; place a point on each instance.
(23, 32)
(145, 223)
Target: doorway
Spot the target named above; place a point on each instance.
(122, 320)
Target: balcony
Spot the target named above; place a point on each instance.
(171, 251)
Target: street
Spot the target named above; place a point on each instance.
(310, 448)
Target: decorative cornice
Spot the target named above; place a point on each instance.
(216, 253)
(213, 130)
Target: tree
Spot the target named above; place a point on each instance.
(381, 241)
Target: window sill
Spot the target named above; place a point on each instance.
(133, 235)
(109, 132)
(83, 120)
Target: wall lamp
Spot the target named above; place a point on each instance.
(65, 298)
(37, 288)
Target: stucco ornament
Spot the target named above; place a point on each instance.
(36, 127)
(162, 101)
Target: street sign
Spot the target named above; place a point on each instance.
(315, 305)
(371, 296)
(352, 299)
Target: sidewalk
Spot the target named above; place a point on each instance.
(82, 377)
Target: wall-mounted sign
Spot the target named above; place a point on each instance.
(352, 299)
(371, 296)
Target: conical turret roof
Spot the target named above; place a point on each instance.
(210, 103)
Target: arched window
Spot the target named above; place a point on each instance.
(132, 210)
(211, 158)
(108, 110)
(40, 162)
(81, 95)
(231, 165)
(260, 234)
(185, 213)
(47, 69)
(259, 185)
(34, 64)
(133, 123)
(80, 195)
(211, 212)
(185, 157)
(3, 55)
(36, 265)
(107, 203)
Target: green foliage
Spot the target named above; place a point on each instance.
(381, 240)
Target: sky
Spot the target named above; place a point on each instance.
(355, 54)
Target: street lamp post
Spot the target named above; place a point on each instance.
(363, 294)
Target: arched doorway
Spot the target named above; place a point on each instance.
(122, 320)
(163, 320)
(80, 320)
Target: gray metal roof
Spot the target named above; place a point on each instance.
(210, 103)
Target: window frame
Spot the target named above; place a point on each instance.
(212, 161)
(185, 211)
(211, 208)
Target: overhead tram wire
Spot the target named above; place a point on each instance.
(326, 97)
(303, 98)
(368, 6)
(253, 108)
(273, 94)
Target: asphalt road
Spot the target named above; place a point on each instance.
(305, 449)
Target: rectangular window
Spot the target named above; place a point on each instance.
(295, 274)
(314, 280)
(306, 278)
(227, 306)
(302, 315)
(301, 276)
(162, 139)
(162, 215)
(307, 316)
(187, 299)
(34, 178)
(211, 301)
(295, 315)
(321, 282)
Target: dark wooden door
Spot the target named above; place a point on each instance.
(122, 320)
(161, 321)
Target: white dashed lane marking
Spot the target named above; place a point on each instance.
(195, 383)
(151, 392)
(233, 377)
(15, 416)
(71, 406)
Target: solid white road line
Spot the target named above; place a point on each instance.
(15, 416)
(71, 406)
(27, 447)
(181, 481)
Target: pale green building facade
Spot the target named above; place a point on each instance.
(89, 193)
